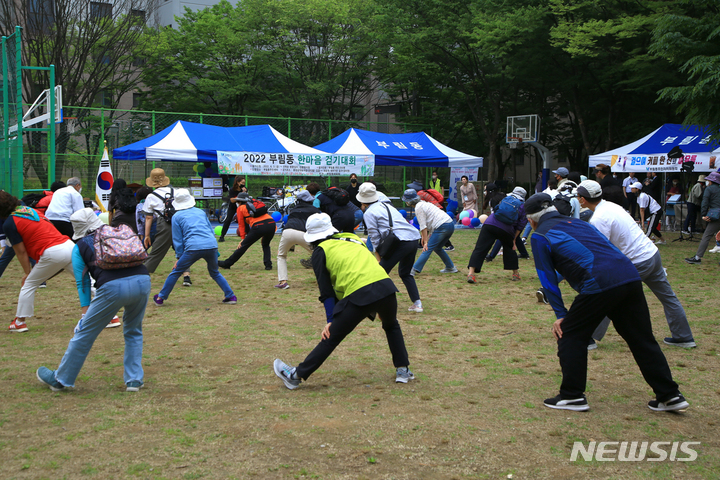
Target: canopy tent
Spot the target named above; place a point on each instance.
(251, 150)
(195, 142)
(399, 149)
(649, 154)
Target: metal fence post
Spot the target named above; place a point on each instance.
(6, 114)
(18, 180)
(51, 128)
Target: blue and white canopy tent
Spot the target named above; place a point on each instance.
(650, 153)
(399, 149)
(251, 150)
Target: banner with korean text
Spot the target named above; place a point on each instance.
(689, 144)
(297, 164)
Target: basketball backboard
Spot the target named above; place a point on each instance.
(522, 128)
(41, 109)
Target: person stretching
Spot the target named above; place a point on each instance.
(353, 286)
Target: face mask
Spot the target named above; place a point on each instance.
(353, 181)
(434, 177)
(707, 183)
(674, 183)
(80, 190)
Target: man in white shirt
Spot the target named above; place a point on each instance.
(377, 216)
(622, 231)
(65, 201)
(647, 205)
(627, 191)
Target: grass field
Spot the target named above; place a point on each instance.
(483, 355)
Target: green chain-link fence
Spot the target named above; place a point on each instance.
(10, 115)
(80, 136)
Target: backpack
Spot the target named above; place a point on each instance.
(169, 210)
(563, 205)
(118, 247)
(507, 210)
(563, 198)
(338, 195)
(256, 208)
(32, 199)
(431, 196)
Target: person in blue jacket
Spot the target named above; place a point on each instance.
(608, 284)
(193, 239)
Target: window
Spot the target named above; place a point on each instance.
(136, 100)
(104, 98)
(137, 16)
(100, 10)
(41, 16)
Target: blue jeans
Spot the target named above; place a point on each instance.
(435, 244)
(526, 231)
(183, 265)
(131, 293)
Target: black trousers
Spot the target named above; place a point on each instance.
(632, 201)
(264, 231)
(345, 322)
(692, 209)
(403, 253)
(518, 243)
(653, 223)
(64, 228)
(232, 209)
(488, 235)
(626, 307)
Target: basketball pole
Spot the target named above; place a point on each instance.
(547, 157)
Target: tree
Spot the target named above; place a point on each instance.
(299, 58)
(458, 60)
(97, 49)
(690, 41)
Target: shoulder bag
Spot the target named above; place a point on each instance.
(389, 239)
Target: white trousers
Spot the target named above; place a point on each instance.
(50, 262)
(289, 239)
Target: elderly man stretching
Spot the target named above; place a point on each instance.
(65, 201)
(622, 231)
(608, 285)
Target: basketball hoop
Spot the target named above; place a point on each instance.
(514, 141)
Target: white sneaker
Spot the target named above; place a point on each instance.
(660, 242)
(449, 270)
(715, 249)
(415, 308)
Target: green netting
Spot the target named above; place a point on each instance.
(11, 113)
(79, 138)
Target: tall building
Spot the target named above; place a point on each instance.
(167, 10)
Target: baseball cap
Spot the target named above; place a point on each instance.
(589, 189)
(562, 171)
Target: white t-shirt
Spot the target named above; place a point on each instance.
(621, 230)
(153, 205)
(429, 216)
(628, 182)
(645, 200)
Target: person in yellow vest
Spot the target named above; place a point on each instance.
(352, 286)
(435, 183)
